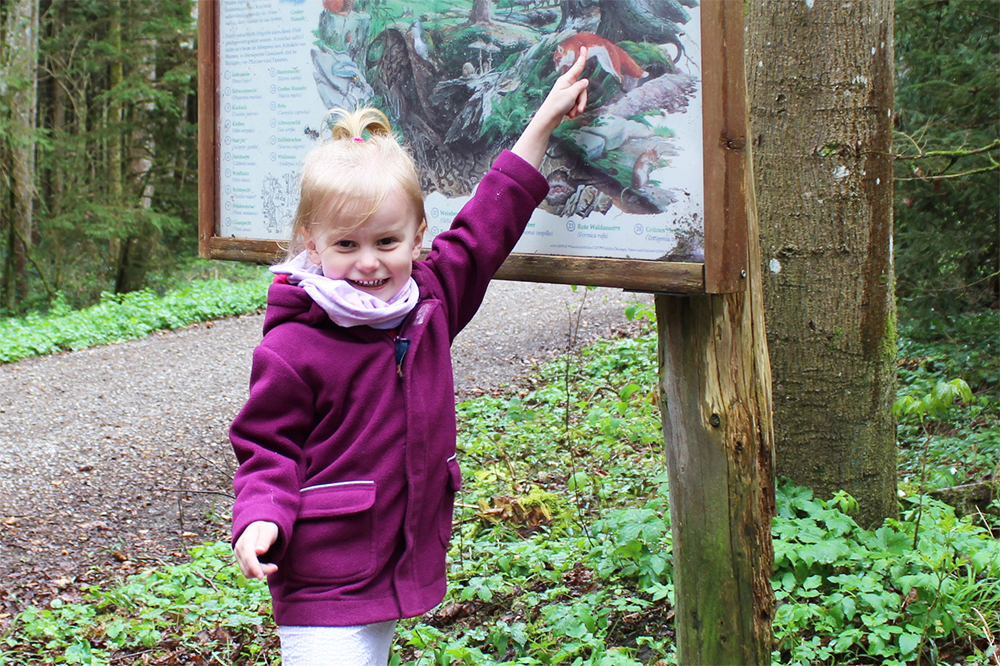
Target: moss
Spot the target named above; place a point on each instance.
(888, 345)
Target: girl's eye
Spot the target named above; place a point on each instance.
(386, 241)
(345, 243)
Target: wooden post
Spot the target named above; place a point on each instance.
(208, 166)
(715, 385)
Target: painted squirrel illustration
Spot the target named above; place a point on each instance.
(611, 57)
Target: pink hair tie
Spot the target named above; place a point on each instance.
(358, 139)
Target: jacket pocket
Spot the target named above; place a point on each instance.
(453, 485)
(333, 541)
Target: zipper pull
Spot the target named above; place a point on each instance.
(402, 346)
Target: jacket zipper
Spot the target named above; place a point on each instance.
(402, 346)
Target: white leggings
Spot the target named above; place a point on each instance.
(362, 645)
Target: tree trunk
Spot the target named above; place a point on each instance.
(481, 11)
(59, 107)
(139, 246)
(19, 87)
(821, 90)
(114, 146)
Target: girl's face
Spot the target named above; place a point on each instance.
(377, 256)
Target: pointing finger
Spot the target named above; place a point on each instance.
(577, 68)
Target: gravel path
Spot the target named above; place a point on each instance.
(115, 456)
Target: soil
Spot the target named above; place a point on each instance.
(118, 457)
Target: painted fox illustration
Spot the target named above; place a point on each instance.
(342, 7)
(612, 58)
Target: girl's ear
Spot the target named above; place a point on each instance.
(311, 250)
(418, 240)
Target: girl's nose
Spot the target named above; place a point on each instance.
(368, 262)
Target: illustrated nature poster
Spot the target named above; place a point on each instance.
(459, 81)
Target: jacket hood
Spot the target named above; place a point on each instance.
(287, 303)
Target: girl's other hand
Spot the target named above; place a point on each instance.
(256, 540)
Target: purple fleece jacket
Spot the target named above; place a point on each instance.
(353, 462)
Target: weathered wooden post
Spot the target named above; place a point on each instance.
(715, 384)
(715, 387)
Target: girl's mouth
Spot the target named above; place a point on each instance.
(370, 284)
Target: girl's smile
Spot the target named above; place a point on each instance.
(377, 256)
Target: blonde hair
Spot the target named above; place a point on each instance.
(345, 179)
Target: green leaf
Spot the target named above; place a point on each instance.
(908, 644)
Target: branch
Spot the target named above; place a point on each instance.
(964, 286)
(956, 154)
(931, 179)
(27, 254)
(197, 492)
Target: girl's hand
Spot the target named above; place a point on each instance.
(568, 97)
(256, 540)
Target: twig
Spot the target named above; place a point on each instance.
(964, 286)
(206, 579)
(125, 658)
(945, 153)
(931, 179)
(923, 479)
(989, 636)
(579, 318)
(225, 473)
(27, 255)
(197, 492)
(567, 440)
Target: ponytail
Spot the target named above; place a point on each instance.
(355, 124)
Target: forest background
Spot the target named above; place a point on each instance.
(99, 199)
(99, 158)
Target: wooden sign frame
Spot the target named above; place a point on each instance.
(724, 135)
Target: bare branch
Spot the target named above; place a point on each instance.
(197, 492)
(949, 176)
(954, 154)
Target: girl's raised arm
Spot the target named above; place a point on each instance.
(568, 97)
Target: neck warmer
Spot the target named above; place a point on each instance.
(345, 305)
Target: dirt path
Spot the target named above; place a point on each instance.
(116, 456)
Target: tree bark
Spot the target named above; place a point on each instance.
(19, 87)
(821, 90)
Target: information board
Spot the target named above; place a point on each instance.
(644, 188)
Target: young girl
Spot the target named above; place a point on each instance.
(346, 445)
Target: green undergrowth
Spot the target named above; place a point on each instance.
(203, 607)
(950, 440)
(562, 547)
(129, 316)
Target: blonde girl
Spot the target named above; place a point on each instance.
(346, 446)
